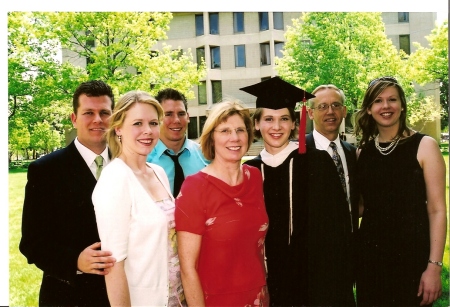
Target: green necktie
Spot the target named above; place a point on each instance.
(99, 163)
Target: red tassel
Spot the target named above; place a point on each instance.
(302, 130)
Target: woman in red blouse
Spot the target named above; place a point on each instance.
(220, 217)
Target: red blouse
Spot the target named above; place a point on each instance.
(233, 222)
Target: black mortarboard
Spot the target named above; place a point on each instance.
(275, 93)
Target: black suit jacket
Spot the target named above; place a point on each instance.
(58, 223)
(330, 236)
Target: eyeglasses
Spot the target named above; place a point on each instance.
(387, 78)
(227, 132)
(324, 106)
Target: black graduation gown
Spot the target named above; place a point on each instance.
(286, 241)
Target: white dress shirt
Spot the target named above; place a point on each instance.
(89, 156)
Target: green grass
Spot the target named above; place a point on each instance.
(25, 279)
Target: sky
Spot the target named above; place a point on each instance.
(439, 6)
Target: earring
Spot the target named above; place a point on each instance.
(120, 138)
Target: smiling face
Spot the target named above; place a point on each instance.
(328, 121)
(91, 121)
(386, 108)
(175, 121)
(275, 127)
(140, 130)
(230, 147)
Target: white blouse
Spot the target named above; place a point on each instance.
(134, 228)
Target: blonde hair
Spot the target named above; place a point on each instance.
(219, 114)
(119, 113)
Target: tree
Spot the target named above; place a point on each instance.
(431, 65)
(345, 49)
(18, 138)
(117, 47)
(44, 138)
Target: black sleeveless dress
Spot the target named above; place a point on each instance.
(394, 239)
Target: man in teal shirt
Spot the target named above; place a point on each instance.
(173, 145)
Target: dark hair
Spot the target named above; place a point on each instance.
(92, 88)
(365, 124)
(256, 117)
(170, 93)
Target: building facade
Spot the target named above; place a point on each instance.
(239, 49)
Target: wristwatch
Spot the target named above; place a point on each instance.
(438, 263)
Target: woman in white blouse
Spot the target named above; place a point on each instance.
(135, 210)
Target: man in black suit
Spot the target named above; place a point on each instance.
(333, 203)
(59, 229)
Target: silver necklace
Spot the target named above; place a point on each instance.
(388, 149)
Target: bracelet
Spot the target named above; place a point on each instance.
(438, 263)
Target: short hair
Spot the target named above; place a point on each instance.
(257, 117)
(119, 113)
(326, 86)
(92, 88)
(219, 114)
(365, 125)
(170, 93)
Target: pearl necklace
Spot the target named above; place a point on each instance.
(386, 150)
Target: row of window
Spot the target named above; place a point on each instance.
(240, 55)
(238, 22)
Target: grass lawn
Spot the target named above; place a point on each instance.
(24, 279)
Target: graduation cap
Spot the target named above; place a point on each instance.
(275, 93)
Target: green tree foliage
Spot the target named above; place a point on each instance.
(44, 138)
(117, 47)
(431, 64)
(18, 138)
(345, 49)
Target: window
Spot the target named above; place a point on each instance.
(216, 91)
(403, 17)
(213, 23)
(278, 21)
(199, 25)
(215, 57)
(177, 54)
(239, 55)
(278, 47)
(238, 22)
(263, 21)
(200, 52)
(405, 44)
(265, 53)
(192, 128)
(90, 40)
(202, 122)
(202, 92)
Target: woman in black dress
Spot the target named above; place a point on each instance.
(403, 227)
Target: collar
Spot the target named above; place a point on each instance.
(277, 159)
(322, 142)
(88, 155)
(160, 148)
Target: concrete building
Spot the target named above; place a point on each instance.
(239, 50)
